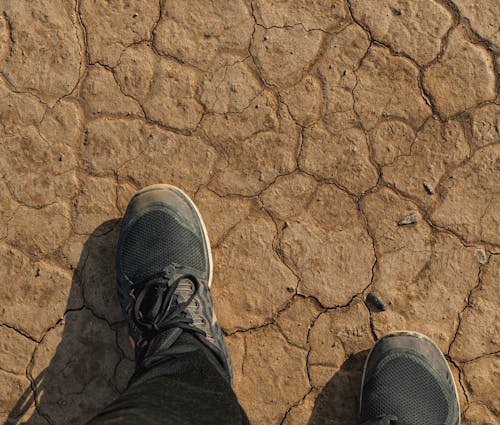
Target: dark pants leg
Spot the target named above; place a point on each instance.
(186, 387)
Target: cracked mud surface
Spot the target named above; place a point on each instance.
(335, 148)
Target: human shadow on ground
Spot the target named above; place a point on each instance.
(85, 360)
(338, 401)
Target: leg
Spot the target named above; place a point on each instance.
(164, 270)
(185, 389)
(408, 382)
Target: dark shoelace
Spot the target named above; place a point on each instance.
(153, 310)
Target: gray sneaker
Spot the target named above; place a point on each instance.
(407, 381)
(164, 272)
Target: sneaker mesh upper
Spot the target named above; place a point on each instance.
(403, 385)
(155, 241)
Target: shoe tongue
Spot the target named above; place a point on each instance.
(150, 297)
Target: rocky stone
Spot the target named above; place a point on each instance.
(482, 256)
(34, 293)
(63, 385)
(336, 69)
(319, 245)
(103, 95)
(45, 57)
(463, 77)
(471, 198)
(112, 26)
(296, 320)
(196, 33)
(278, 391)
(415, 29)
(411, 218)
(483, 17)
(436, 148)
(283, 55)
(479, 330)
(343, 158)
(289, 195)
(388, 87)
(486, 125)
(247, 296)
(326, 15)
(375, 303)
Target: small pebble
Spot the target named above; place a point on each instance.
(375, 303)
(290, 289)
(428, 189)
(481, 255)
(411, 218)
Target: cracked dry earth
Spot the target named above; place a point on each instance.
(336, 149)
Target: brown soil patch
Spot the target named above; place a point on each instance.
(336, 149)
